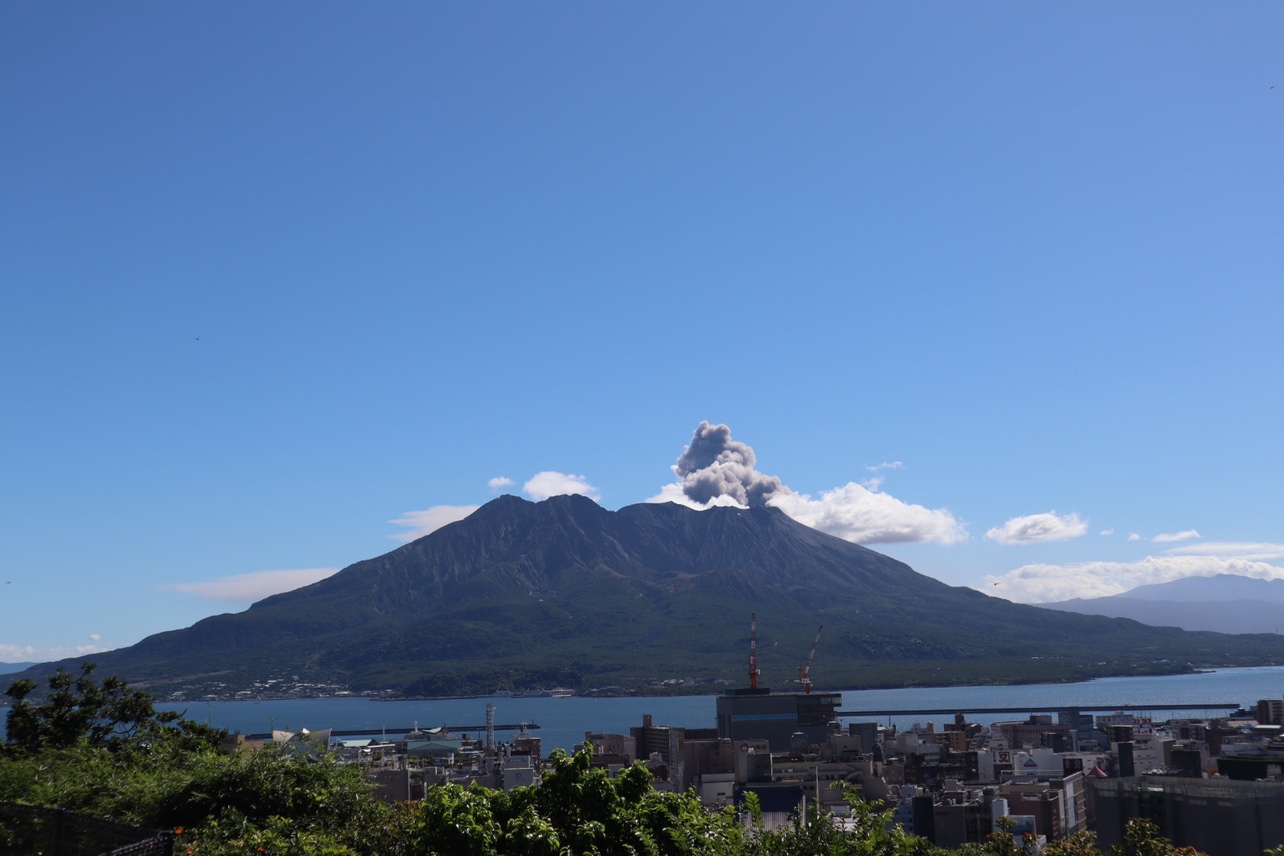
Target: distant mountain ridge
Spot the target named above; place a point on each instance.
(566, 593)
(1225, 603)
(13, 668)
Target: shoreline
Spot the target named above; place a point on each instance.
(700, 691)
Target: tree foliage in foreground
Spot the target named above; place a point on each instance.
(101, 749)
(108, 714)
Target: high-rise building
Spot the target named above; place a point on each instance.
(1221, 817)
(1270, 711)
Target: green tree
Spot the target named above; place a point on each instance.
(103, 749)
(1001, 842)
(579, 809)
(1080, 844)
(868, 830)
(1142, 838)
(106, 714)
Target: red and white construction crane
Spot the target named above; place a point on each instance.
(754, 671)
(804, 671)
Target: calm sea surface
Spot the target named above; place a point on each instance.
(563, 721)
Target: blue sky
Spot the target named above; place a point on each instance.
(991, 279)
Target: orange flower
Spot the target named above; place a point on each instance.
(178, 831)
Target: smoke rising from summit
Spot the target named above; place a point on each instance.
(714, 465)
(717, 470)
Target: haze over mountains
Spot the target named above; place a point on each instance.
(564, 592)
(12, 668)
(1224, 603)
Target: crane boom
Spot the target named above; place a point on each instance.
(804, 671)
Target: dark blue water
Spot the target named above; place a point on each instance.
(563, 721)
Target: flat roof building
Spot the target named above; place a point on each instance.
(746, 714)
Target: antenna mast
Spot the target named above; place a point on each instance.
(804, 671)
(754, 671)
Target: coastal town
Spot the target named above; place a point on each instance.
(1044, 777)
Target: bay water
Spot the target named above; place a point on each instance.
(563, 721)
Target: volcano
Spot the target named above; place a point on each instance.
(523, 595)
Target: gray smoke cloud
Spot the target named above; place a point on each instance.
(716, 470)
(714, 465)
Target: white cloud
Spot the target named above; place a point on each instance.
(37, 654)
(715, 470)
(1259, 551)
(1044, 583)
(1133, 536)
(1037, 528)
(253, 586)
(541, 486)
(1107, 532)
(853, 512)
(430, 520)
(673, 492)
(95, 636)
(1168, 537)
(549, 483)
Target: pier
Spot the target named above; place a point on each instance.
(402, 731)
(1082, 708)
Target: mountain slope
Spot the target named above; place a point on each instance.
(566, 592)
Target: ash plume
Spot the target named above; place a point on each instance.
(714, 465)
(716, 470)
